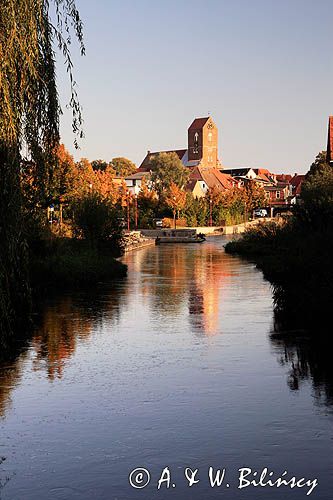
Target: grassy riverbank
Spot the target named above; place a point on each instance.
(298, 263)
(70, 264)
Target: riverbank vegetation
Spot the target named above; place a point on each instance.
(37, 175)
(296, 254)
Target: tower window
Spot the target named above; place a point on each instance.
(196, 142)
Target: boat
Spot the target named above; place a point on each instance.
(179, 236)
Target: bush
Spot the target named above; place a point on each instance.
(97, 221)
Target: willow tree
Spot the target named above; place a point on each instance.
(30, 33)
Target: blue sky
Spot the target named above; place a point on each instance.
(262, 68)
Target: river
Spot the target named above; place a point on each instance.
(176, 366)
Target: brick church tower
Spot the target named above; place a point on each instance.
(203, 142)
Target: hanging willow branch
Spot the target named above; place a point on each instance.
(29, 106)
(30, 32)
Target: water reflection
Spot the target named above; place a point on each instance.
(172, 365)
(307, 357)
(10, 375)
(191, 274)
(61, 325)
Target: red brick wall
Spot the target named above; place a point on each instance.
(206, 148)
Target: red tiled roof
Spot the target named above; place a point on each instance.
(212, 177)
(262, 177)
(296, 182)
(262, 171)
(284, 177)
(144, 167)
(329, 154)
(198, 123)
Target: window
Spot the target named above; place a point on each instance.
(210, 137)
(278, 194)
(196, 143)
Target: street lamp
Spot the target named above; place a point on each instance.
(210, 212)
(136, 210)
(128, 210)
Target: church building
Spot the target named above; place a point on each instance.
(200, 157)
(202, 146)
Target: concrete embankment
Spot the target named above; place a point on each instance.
(154, 233)
(241, 228)
(209, 230)
(135, 240)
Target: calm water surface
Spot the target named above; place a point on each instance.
(174, 366)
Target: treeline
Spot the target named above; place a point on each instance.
(164, 193)
(296, 254)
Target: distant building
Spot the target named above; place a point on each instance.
(211, 178)
(134, 181)
(202, 146)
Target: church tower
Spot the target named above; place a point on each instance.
(203, 142)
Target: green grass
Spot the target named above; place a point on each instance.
(71, 265)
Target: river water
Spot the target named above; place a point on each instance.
(176, 366)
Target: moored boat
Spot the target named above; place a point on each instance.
(179, 236)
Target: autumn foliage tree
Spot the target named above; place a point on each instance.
(175, 199)
(254, 196)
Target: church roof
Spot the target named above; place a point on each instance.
(198, 123)
(145, 167)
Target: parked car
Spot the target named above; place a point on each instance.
(158, 222)
(260, 212)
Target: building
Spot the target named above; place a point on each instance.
(200, 157)
(134, 181)
(202, 146)
(210, 178)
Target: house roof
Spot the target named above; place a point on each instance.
(297, 182)
(237, 171)
(144, 167)
(212, 177)
(283, 177)
(261, 171)
(136, 175)
(329, 154)
(198, 123)
(262, 177)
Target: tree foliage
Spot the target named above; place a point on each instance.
(29, 111)
(123, 166)
(319, 166)
(254, 196)
(100, 165)
(317, 197)
(167, 168)
(176, 198)
(95, 219)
